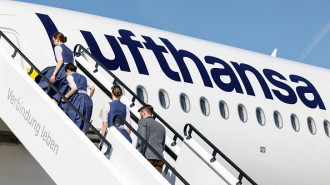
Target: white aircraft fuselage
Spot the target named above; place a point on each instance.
(157, 60)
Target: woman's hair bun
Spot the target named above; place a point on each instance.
(117, 91)
(60, 36)
(71, 67)
(65, 39)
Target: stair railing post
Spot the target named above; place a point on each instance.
(14, 54)
(213, 158)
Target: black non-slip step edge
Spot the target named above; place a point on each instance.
(8, 137)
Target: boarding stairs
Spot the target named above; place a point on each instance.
(62, 150)
(68, 156)
(180, 151)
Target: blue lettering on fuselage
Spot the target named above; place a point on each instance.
(291, 98)
(118, 62)
(128, 39)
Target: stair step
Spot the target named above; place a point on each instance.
(93, 137)
(91, 131)
(8, 137)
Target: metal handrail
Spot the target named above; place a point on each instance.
(216, 151)
(100, 85)
(168, 150)
(148, 145)
(78, 49)
(33, 67)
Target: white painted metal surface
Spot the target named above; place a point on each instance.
(130, 162)
(107, 81)
(191, 155)
(57, 143)
(213, 172)
(287, 153)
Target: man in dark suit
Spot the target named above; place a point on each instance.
(154, 133)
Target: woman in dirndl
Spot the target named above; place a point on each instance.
(78, 97)
(56, 74)
(113, 108)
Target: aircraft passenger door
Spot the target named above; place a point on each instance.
(14, 38)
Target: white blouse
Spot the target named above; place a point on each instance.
(58, 54)
(105, 112)
(70, 80)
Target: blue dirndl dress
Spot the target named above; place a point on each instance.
(81, 101)
(117, 107)
(60, 79)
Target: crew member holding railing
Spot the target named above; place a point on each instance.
(154, 133)
(78, 97)
(113, 108)
(56, 74)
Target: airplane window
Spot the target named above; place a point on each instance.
(278, 119)
(261, 116)
(185, 103)
(311, 125)
(142, 93)
(295, 123)
(224, 111)
(164, 99)
(242, 113)
(205, 106)
(327, 127)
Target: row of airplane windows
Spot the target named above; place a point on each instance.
(224, 111)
